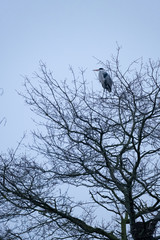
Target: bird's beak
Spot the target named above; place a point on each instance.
(95, 69)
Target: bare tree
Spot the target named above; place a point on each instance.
(109, 146)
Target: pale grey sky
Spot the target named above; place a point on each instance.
(63, 33)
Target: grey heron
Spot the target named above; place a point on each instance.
(104, 79)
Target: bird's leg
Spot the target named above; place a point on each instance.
(103, 92)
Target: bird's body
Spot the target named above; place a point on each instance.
(105, 79)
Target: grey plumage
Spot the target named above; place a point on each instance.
(105, 79)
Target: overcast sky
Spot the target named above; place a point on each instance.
(63, 33)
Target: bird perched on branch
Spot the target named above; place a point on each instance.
(105, 79)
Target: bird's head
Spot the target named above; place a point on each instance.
(98, 69)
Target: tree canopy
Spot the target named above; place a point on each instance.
(108, 145)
